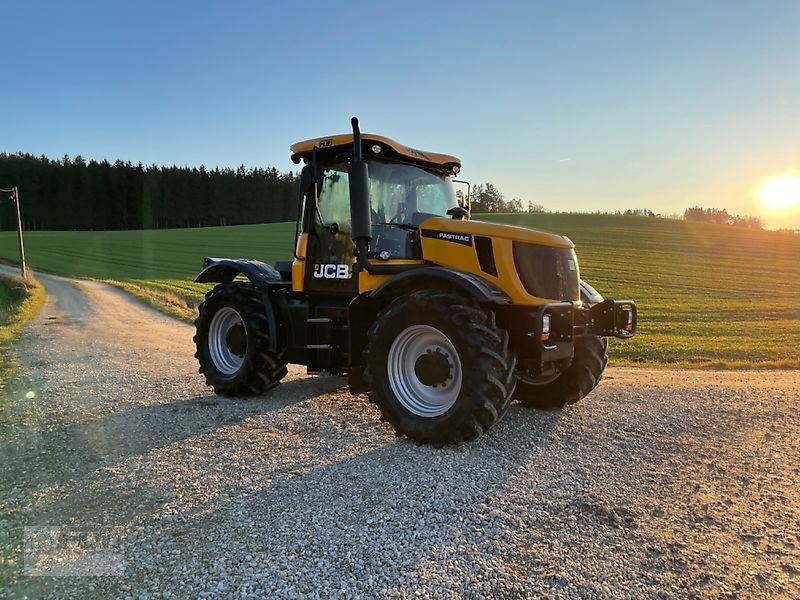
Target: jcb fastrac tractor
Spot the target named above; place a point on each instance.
(442, 320)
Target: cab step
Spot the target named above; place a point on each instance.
(319, 343)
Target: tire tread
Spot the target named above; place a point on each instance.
(263, 369)
(488, 368)
(575, 383)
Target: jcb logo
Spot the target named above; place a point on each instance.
(332, 271)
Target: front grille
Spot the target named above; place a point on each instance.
(548, 272)
(485, 252)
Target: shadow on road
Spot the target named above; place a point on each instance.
(344, 476)
(39, 454)
(363, 485)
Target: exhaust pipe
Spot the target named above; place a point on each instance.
(358, 173)
(361, 212)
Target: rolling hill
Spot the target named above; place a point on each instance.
(708, 295)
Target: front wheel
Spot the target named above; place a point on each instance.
(574, 383)
(439, 367)
(232, 341)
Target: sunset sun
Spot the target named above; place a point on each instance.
(781, 192)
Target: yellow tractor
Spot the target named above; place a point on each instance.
(442, 320)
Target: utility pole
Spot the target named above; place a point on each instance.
(14, 191)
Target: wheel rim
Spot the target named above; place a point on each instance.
(226, 356)
(403, 365)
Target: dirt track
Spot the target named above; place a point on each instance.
(660, 484)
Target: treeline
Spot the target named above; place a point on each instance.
(721, 217)
(486, 198)
(639, 212)
(74, 194)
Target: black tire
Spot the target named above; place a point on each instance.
(485, 363)
(260, 369)
(580, 378)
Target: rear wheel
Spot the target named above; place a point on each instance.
(574, 383)
(232, 341)
(439, 367)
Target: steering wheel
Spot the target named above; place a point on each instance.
(400, 217)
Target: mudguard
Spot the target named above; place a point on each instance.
(225, 270)
(426, 277)
(589, 295)
(363, 308)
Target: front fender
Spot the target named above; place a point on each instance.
(589, 295)
(225, 270)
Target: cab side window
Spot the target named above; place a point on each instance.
(334, 200)
(332, 226)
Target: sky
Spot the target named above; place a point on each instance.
(578, 106)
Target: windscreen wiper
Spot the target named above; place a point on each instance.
(398, 225)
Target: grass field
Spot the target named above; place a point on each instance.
(708, 295)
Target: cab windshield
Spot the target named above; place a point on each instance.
(401, 196)
(407, 195)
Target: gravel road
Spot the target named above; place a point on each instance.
(661, 484)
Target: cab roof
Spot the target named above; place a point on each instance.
(388, 149)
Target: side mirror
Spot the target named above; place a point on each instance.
(306, 179)
(459, 213)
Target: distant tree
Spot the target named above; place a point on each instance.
(721, 217)
(535, 208)
(487, 198)
(638, 212)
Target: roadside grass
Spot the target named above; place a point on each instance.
(19, 301)
(168, 296)
(709, 296)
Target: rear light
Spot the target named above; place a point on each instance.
(545, 327)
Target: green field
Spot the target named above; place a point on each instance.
(708, 295)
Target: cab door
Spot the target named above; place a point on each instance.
(331, 252)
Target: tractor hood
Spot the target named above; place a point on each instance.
(446, 227)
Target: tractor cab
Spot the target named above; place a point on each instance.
(405, 187)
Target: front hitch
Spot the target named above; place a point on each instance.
(559, 323)
(615, 318)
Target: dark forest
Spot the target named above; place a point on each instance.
(75, 194)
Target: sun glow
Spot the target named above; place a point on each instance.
(781, 192)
